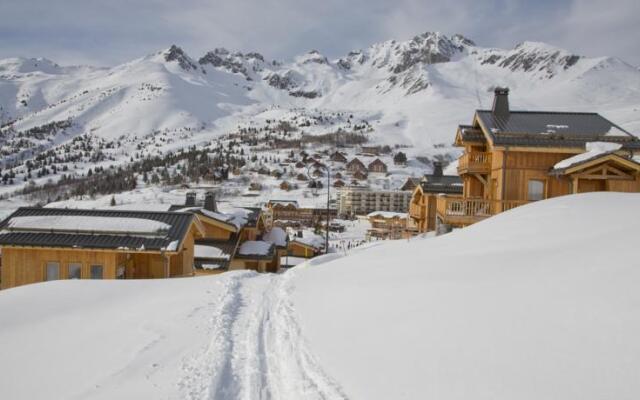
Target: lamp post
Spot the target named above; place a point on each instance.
(328, 170)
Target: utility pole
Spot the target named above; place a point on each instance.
(328, 170)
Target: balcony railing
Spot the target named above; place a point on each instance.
(474, 162)
(460, 212)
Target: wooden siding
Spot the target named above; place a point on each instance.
(21, 266)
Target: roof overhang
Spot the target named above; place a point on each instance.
(605, 166)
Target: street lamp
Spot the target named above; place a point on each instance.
(326, 168)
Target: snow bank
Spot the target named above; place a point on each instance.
(538, 302)
(87, 339)
(83, 223)
(594, 149)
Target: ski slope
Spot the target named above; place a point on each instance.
(538, 302)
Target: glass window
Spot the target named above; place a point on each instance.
(53, 271)
(75, 270)
(535, 190)
(96, 272)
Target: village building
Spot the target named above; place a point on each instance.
(374, 150)
(410, 184)
(377, 166)
(422, 208)
(284, 185)
(302, 177)
(387, 225)
(360, 175)
(289, 210)
(306, 244)
(338, 183)
(354, 201)
(43, 244)
(514, 157)
(356, 165)
(338, 157)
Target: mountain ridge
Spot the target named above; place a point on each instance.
(414, 91)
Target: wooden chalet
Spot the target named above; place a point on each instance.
(338, 183)
(356, 165)
(387, 225)
(377, 166)
(338, 157)
(514, 157)
(410, 184)
(422, 207)
(306, 244)
(42, 244)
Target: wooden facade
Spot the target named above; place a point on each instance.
(23, 265)
(501, 170)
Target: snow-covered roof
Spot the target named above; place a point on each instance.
(594, 149)
(236, 217)
(387, 214)
(97, 229)
(74, 223)
(209, 251)
(276, 236)
(310, 239)
(255, 248)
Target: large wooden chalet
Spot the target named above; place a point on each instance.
(511, 158)
(41, 244)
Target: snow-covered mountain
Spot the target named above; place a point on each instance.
(411, 92)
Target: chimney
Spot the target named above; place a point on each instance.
(190, 201)
(437, 168)
(501, 102)
(210, 201)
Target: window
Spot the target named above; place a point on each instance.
(96, 272)
(74, 270)
(53, 271)
(535, 190)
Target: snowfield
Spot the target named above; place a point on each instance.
(538, 302)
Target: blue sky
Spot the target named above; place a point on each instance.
(115, 31)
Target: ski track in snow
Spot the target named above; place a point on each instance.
(257, 350)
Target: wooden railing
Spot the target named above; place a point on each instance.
(459, 212)
(474, 162)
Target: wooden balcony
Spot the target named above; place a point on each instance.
(457, 211)
(474, 163)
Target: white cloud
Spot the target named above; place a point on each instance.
(118, 30)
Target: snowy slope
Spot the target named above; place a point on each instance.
(413, 91)
(538, 302)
